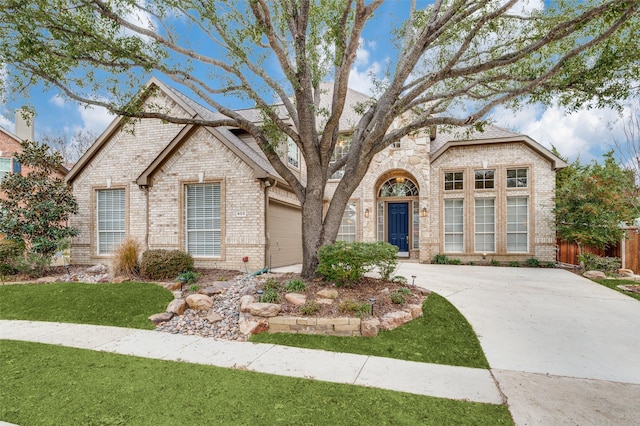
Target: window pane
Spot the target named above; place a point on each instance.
(517, 178)
(485, 225)
(341, 150)
(347, 230)
(453, 181)
(453, 226)
(416, 224)
(293, 153)
(517, 224)
(5, 166)
(203, 226)
(111, 221)
(484, 179)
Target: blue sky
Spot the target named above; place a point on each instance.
(587, 133)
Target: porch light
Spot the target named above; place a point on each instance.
(424, 212)
(366, 213)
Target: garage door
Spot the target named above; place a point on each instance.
(284, 229)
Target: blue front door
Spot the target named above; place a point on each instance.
(398, 228)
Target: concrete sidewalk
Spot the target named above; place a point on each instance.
(442, 381)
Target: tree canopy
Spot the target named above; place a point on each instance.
(452, 62)
(593, 201)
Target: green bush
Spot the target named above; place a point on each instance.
(11, 256)
(271, 283)
(399, 279)
(593, 262)
(495, 262)
(397, 298)
(514, 264)
(270, 295)
(296, 285)
(310, 307)
(532, 262)
(442, 259)
(165, 264)
(189, 277)
(346, 263)
(355, 308)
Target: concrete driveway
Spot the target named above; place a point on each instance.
(563, 349)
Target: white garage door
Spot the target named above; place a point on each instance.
(284, 229)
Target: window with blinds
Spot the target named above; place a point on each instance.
(453, 226)
(347, 230)
(485, 225)
(202, 219)
(5, 166)
(111, 220)
(517, 224)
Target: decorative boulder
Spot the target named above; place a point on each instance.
(415, 311)
(596, 275)
(173, 286)
(296, 298)
(211, 291)
(264, 309)
(177, 306)
(97, 270)
(251, 325)
(199, 302)
(324, 301)
(214, 317)
(370, 327)
(394, 319)
(328, 293)
(245, 301)
(625, 272)
(162, 317)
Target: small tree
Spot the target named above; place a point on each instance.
(38, 205)
(592, 201)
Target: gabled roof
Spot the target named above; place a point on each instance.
(491, 135)
(262, 168)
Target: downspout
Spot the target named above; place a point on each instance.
(145, 189)
(268, 183)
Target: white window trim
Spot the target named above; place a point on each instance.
(484, 232)
(103, 233)
(453, 233)
(215, 249)
(525, 222)
(5, 160)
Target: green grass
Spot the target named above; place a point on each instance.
(441, 336)
(123, 305)
(613, 284)
(52, 385)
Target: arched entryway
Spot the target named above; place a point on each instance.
(398, 212)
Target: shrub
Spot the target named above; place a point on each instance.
(399, 279)
(355, 308)
(403, 290)
(189, 277)
(310, 307)
(550, 265)
(514, 264)
(593, 262)
(442, 259)
(125, 258)
(495, 262)
(397, 298)
(296, 285)
(270, 295)
(165, 264)
(346, 263)
(532, 262)
(194, 288)
(271, 283)
(11, 256)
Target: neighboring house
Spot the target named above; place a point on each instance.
(211, 192)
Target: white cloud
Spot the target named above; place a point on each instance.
(57, 100)
(7, 123)
(585, 133)
(95, 119)
(364, 73)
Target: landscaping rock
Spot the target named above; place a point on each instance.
(214, 317)
(328, 293)
(252, 325)
(211, 291)
(247, 290)
(120, 280)
(177, 306)
(370, 327)
(199, 302)
(45, 280)
(264, 309)
(597, 275)
(160, 318)
(97, 270)
(324, 301)
(415, 311)
(394, 319)
(245, 301)
(296, 298)
(173, 286)
(625, 272)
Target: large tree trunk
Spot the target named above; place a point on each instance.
(312, 234)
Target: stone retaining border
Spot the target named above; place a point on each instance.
(341, 326)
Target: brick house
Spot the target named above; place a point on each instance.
(211, 192)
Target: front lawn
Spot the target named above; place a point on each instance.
(613, 284)
(52, 385)
(122, 305)
(441, 336)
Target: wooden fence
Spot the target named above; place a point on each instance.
(628, 250)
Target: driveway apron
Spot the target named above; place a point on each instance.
(563, 349)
